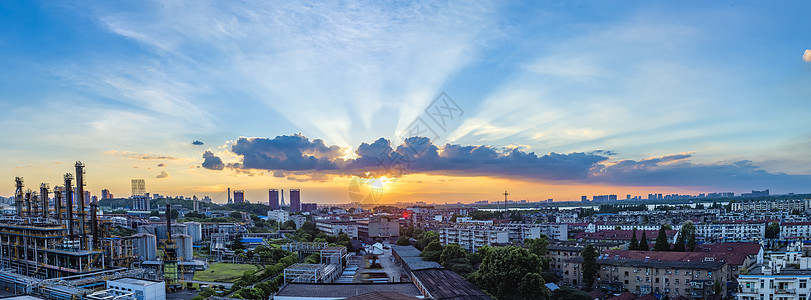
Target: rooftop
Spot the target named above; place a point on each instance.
(346, 290)
(446, 284)
(136, 281)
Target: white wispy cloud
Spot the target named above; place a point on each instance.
(326, 67)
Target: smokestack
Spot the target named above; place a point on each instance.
(58, 203)
(168, 221)
(80, 199)
(18, 195)
(229, 196)
(43, 193)
(94, 224)
(69, 197)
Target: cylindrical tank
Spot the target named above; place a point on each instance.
(146, 246)
(184, 246)
(178, 228)
(146, 229)
(160, 231)
(195, 230)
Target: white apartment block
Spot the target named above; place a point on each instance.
(732, 231)
(630, 227)
(334, 228)
(473, 238)
(795, 230)
(775, 283)
(777, 205)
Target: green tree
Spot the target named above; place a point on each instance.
(569, 293)
(537, 246)
(154, 213)
(432, 252)
(236, 215)
(634, 243)
(688, 233)
(451, 252)
(426, 238)
(773, 230)
(533, 287)
(679, 246)
(502, 270)
(643, 243)
(403, 241)
(589, 265)
(661, 241)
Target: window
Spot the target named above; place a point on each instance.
(657, 279)
(803, 283)
(677, 281)
(626, 273)
(677, 272)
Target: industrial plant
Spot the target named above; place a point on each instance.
(61, 247)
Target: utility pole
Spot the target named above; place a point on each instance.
(505, 200)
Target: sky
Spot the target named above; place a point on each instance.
(407, 101)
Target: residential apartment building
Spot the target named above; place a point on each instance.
(795, 230)
(774, 281)
(691, 279)
(473, 238)
(336, 227)
(729, 231)
(778, 205)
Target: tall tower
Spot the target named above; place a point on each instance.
(43, 194)
(69, 198)
(283, 204)
(18, 195)
(58, 203)
(229, 195)
(295, 200)
(239, 196)
(138, 187)
(80, 199)
(505, 199)
(273, 199)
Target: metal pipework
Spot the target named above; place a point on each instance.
(43, 194)
(18, 195)
(69, 197)
(80, 199)
(58, 203)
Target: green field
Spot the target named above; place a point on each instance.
(224, 272)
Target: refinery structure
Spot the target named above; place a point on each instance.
(58, 246)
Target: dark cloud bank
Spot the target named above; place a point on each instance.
(297, 153)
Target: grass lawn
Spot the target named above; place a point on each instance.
(224, 272)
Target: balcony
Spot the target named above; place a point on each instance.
(784, 291)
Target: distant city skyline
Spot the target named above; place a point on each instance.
(545, 100)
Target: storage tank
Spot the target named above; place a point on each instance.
(178, 228)
(184, 246)
(160, 231)
(195, 230)
(146, 229)
(146, 246)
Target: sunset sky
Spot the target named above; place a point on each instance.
(553, 100)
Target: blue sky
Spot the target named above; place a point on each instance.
(719, 85)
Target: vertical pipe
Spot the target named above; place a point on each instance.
(58, 203)
(80, 200)
(43, 193)
(18, 195)
(94, 224)
(69, 197)
(28, 203)
(168, 221)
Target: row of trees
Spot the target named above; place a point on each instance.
(685, 240)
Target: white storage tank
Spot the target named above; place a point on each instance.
(195, 230)
(146, 246)
(184, 246)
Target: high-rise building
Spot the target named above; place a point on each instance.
(295, 200)
(584, 198)
(138, 187)
(87, 198)
(273, 199)
(105, 194)
(239, 196)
